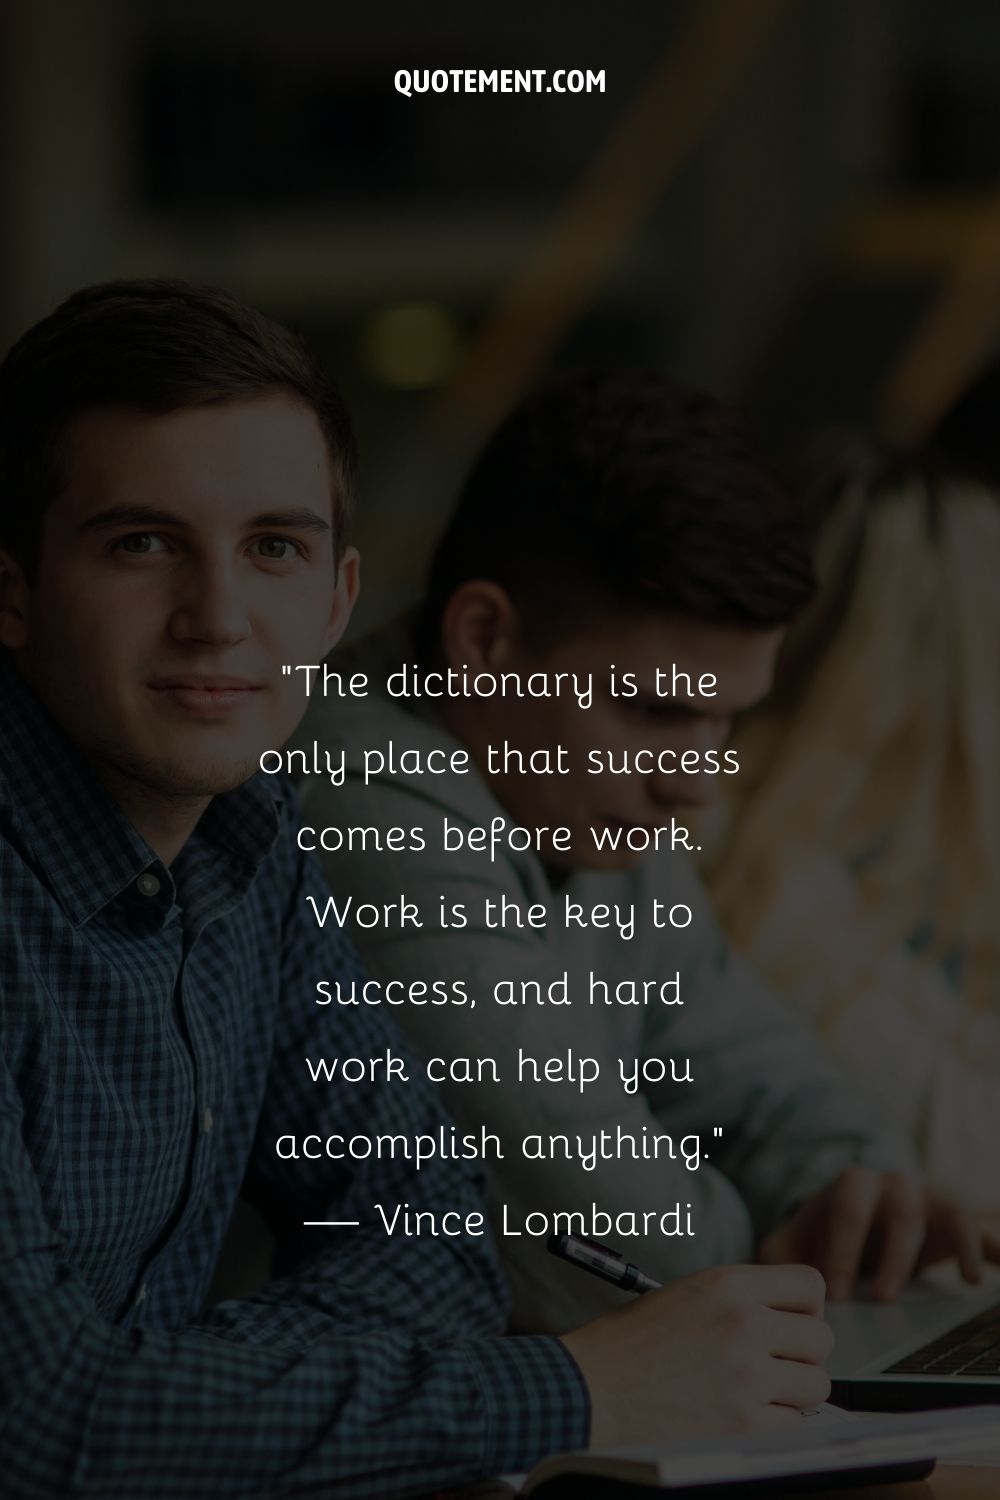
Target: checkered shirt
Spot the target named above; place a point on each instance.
(155, 1025)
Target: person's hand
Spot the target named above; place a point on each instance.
(722, 1351)
(883, 1223)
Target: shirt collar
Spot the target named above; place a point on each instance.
(71, 828)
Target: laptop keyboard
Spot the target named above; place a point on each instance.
(973, 1348)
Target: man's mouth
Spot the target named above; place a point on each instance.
(208, 696)
(622, 825)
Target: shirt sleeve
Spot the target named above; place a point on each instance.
(790, 1122)
(896, 1019)
(368, 1368)
(791, 1119)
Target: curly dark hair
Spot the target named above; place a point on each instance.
(154, 345)
(625, 488)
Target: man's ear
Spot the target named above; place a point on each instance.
(479, 627)
(345, 596)
(14, 592)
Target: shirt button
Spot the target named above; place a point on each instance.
(207, 1121)
(141, 1295)
(148, 884)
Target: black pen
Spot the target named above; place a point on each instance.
(599, 1260)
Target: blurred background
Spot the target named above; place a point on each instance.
(796, 204)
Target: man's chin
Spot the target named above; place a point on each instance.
(188, 782)
(179, 778)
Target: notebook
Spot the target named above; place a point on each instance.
(880, 1449)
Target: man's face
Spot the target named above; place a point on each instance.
(742, 661)
(186, 559)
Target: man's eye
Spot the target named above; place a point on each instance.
(277, 548)
(139, 543)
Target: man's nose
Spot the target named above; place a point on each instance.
(694, 788)
(210, 607)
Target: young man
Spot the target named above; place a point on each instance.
(620, 525)
(175, 478)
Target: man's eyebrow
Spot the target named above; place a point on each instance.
(131, 515)
(295, 518)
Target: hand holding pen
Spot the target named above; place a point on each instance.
(736, 1349)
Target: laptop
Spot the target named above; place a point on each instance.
(938, 1345)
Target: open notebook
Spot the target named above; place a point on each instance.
(874, 1450)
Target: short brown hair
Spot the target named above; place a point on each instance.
(153, 345)
(625, 488)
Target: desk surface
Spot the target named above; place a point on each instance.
(946, 1483)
